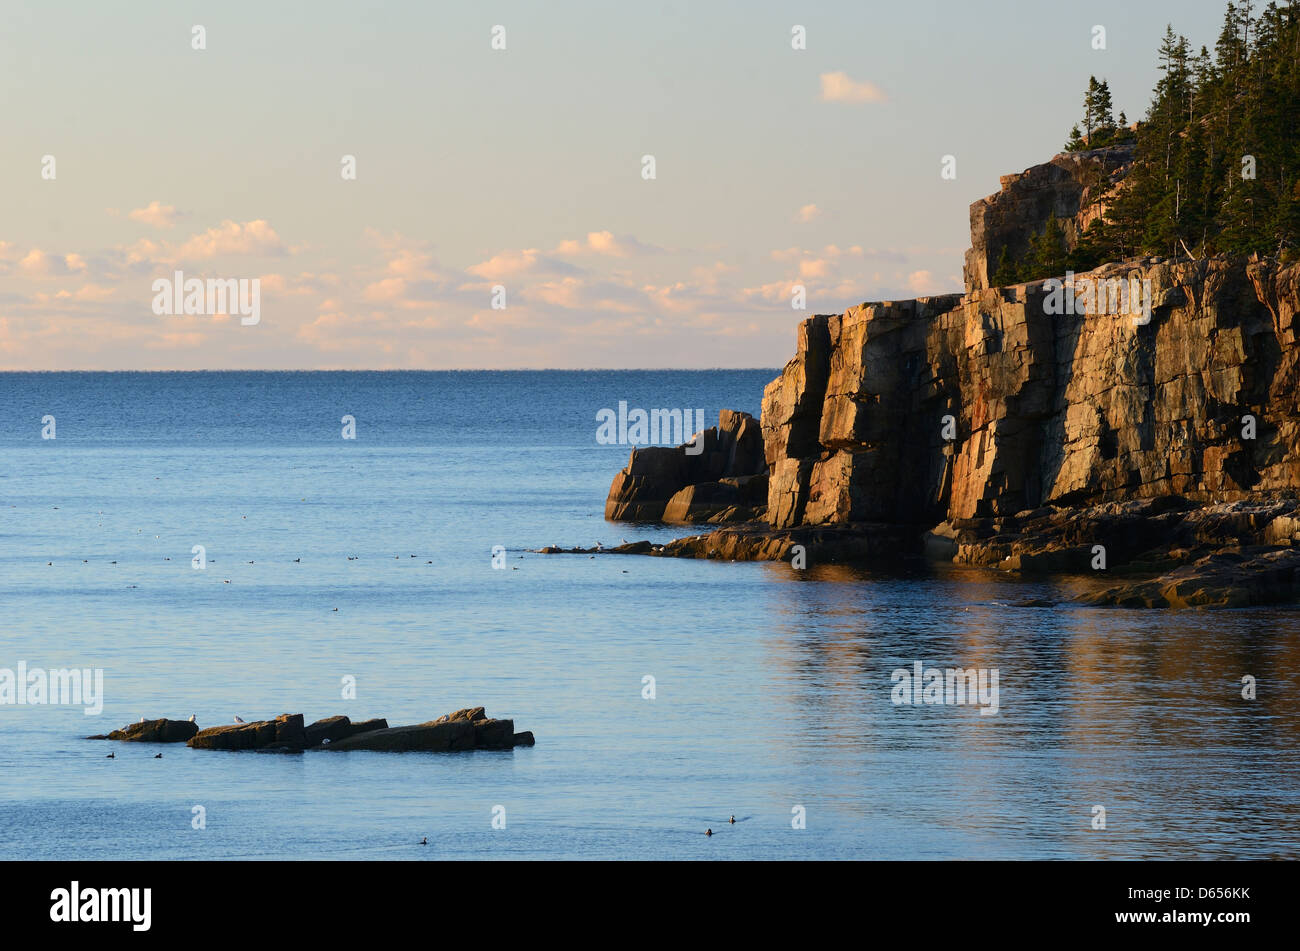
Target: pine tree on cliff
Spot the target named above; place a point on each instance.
(1217, 163)
(1047, 252)
(1006, 272)
(1104, 112)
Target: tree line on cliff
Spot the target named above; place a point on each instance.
(1216, 167)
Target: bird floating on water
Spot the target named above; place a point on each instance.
(424, 841)
(733, 820)
(157, 756)
(111, 756)
(708, 832)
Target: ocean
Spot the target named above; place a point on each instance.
(368, 561)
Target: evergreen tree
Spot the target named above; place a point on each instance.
(1217, 157)
(1006, 272)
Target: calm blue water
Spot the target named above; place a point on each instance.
(773, 686)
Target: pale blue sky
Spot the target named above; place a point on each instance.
(476, 166)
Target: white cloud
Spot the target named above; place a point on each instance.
(606, 243)
(231, 237)
(839, 87)
(155, 214)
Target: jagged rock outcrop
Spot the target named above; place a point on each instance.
(724, 480)
(1076, 187)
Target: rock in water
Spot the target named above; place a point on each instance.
(468, 729)
(153, 731)
(671, 484)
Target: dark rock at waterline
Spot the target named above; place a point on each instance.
(628, 548)
(330, 728)
(334, 729)
(152, 731)
(1229, 578)
(242, 736)
(468, 729)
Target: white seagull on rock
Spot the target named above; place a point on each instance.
(239, 719)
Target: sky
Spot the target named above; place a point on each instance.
(501, 215)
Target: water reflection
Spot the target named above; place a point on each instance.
(1140, 712)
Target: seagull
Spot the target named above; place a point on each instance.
(625, 541)
(239, 720)
(191, 718)
(325, 742)
(598, 546)
(141, 720)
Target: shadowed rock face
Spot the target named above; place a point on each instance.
(662, 483)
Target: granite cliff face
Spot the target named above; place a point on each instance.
(1045, 409)
(1148, 406)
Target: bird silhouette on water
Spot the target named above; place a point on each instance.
(424, 841)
